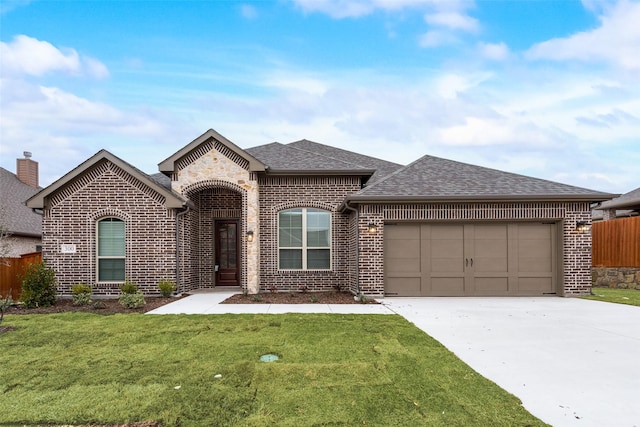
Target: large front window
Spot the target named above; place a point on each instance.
(111, 250)
(304, 239)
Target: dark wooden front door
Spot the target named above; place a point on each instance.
(227, 254)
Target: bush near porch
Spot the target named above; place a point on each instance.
(83, 368)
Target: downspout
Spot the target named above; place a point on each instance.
(179, 216)
(346, 205)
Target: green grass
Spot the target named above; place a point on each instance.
(620, 296)
(334, 370)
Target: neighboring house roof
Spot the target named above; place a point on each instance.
(285, 159)
(382, 167)
(435, 179)
(630, 200)
(16, 216)
(167, 166)
(172, 199)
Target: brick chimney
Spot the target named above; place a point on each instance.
(27, 170)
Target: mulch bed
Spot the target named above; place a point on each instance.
(296, 298)
(103, 306)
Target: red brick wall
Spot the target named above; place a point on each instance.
(278, 193)
(107, 190)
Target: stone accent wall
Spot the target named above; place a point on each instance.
(575, 268)
(616, 277)
(213, 166)
(106, 190)
(322, 192)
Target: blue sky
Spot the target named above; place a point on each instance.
(546, 88)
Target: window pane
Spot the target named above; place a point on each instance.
(111, 237)
(318, 259)
(318, 228)
(110, 270)
(290, 231)
(290, 259)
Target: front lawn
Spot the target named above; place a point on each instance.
(620, 296)
(374, 370)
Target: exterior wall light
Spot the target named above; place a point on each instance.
(582, 226)
(372, 228)
(249, 236)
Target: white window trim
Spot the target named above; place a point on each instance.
(98, 257)
(304, 248)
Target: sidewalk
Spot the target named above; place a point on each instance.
(210, 303)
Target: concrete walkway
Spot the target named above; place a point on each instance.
(572, 362)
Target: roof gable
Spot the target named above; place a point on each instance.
(431, 178)
(168, 165)
(172, 200)
(15, 216)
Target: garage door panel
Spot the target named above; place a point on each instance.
(401, 231)
(447, 232)
(447, 286)
(405, 286)
(535, 285)
(534, 231)
(491, 285)
(446, 265)
(490, 232)
(534, 264)
(433, 259)
(404, 265)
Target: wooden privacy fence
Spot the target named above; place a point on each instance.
(10, 271)
(616, 243)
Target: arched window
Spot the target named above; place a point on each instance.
(304, 239)
(111, 250)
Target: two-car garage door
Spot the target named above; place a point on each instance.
(480, 259)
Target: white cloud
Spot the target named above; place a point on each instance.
(435, 38)
(494, 51)
(26, 55)
(453, 21)
(248, 12)
(616, 41)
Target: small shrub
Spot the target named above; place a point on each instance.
(81, 294)
(5, 303)
(313, 298)
(167, 287)
(132, 300)
(256, 298)
(99, 305)
(129, 287)
(38, 285)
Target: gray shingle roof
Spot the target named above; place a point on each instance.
(286, 158)
(630, 200)
(433, 178)
(382, 167)
(17, 217)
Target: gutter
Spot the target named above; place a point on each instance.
(179, 216)
(346, 205)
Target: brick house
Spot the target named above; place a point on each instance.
(21, 228)
(308, 216)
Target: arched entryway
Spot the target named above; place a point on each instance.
(215, 227)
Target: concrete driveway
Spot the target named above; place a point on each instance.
(572, 362)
